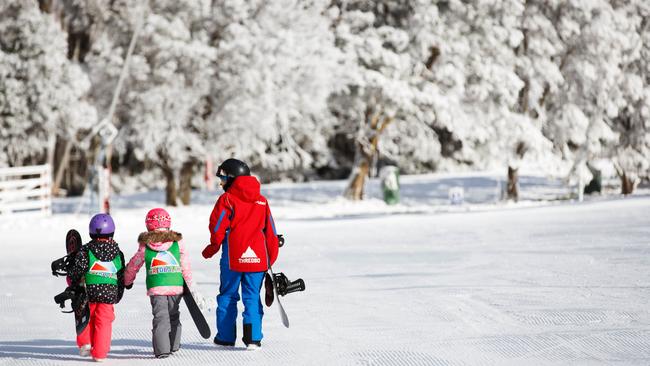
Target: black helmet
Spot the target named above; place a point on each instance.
(231, 169)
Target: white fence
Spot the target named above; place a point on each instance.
(26, 189)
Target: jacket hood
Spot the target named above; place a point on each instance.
(159, 239)
(246, 188)
(104, 250)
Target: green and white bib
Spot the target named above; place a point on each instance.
(164, 267)
(101, 272)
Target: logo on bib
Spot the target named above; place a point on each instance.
(249, 256)
(104, 269)
(164, 262)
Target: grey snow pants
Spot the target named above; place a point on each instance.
(166, 324)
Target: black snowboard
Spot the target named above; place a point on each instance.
(195, 312)
(75, 292)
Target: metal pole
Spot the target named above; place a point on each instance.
(104, 173)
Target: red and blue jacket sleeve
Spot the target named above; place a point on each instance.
(271, 236)
(219, 223)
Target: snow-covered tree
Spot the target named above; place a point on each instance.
(42, 94)
(483, 76)
(275, 69)
(160, 113)
(303, 89)
(383, 97)
(598, 42)
(631, 151)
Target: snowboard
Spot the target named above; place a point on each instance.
(271, 287)
(75, 292)
(195, 312)
(269, 281)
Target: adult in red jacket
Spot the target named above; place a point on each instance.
(241, 224)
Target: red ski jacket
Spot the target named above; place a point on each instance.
(243, 218)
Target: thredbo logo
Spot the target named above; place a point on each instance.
(104, 269)
(164, 262)
(249, 256)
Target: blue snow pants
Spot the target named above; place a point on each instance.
(251, 284)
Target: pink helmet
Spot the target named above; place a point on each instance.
(158, 218)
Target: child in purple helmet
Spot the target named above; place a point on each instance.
(100, 263)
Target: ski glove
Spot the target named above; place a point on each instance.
(210, 250)
(203, 304)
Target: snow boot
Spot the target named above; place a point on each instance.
(251, 345)
(84, 350)
(223, 344)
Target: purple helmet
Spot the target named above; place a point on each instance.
(101, 226)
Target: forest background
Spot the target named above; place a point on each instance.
(313, 89)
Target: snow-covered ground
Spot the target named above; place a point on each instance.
(414, 284)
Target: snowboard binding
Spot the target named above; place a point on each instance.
(282, 284)
(76, 295)
(285, 286)
(62, 266)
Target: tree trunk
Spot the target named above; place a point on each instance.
(357, 184)
(596, 183)
(365, 153)
(513, 184)
(170, 190)
(51, 150)
(61, 168)
(78, 46)
(185, 183)
(45, 6)
(627, 185)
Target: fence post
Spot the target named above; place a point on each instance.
(47, 189)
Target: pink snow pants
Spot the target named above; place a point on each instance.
(99, 329)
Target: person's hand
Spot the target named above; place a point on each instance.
(209, 251)
(280, 240)
(203, 304)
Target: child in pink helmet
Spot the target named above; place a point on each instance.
(163, 253)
